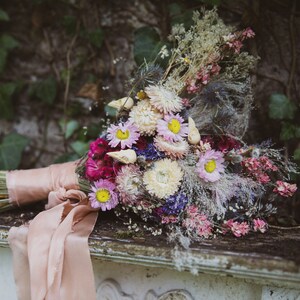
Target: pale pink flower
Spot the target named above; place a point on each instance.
(172, 128)
(285, 189)
(103, 195)
(197, 222)
(248, 33)
(125, 134)
(210, 165)
(169, 219)
(260, 225)
(238, 229)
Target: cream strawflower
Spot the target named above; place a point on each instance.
(175, 150)
(163, 180)
(145, 117)
(164, 100)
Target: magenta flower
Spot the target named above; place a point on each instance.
(172, 128)
(285, 189)
(103, 195)
(98, 148)
(260, 225)
(125, 134)
(210, 165)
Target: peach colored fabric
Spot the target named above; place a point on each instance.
(51, 254)
(28, 186)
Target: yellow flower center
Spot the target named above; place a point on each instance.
(121, 135)
(174, 126)
(187, 60)
(141, 95)
(210, 166)
(103, 195)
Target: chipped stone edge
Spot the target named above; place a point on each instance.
(273, 271)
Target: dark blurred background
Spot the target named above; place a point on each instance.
(62, 61)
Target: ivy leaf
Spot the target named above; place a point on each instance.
(180, 15)
(280, 107)
(79, 147)
(69, 22)
(96, 37)
(287, 131)
(69, 128)
(3, 15)
(8, 42)
(110, 111)
(297, 154)
(146, 45)
(11, 150)
(6, 92)
(45, 90)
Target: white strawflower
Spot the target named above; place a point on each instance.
(172, 149)
(163, 180)
(145, 117)
(164, 100)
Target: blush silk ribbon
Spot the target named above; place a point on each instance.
(51, 254)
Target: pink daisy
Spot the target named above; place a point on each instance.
(210, 165)
(125, 134)
(172, 128)
(103, 195)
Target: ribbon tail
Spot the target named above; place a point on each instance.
(17, 238)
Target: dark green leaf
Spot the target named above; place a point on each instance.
(69, 128)
(3, 57)
(96, 37)
(180, 15)
(6, 92)
(8, 42)
(110, 111)
(280, 107)
(3, 15)
(147, 44)
(297, 154)
(70, 24)
(297, 132)
(287, 131)
(80, 148)
(46, 90)
(11, 150)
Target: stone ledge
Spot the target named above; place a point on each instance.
(201, 258)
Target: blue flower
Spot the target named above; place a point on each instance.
(150, 153)
(175, 204)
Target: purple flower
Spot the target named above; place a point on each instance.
(150, 152)
(103, 195)
(125, 134)
(175, 204)
(210, 165)
(172, 128)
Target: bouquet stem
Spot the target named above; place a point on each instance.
(4, 198)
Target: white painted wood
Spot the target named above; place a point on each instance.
(128, 271)
(274, 293)
(7, 285)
